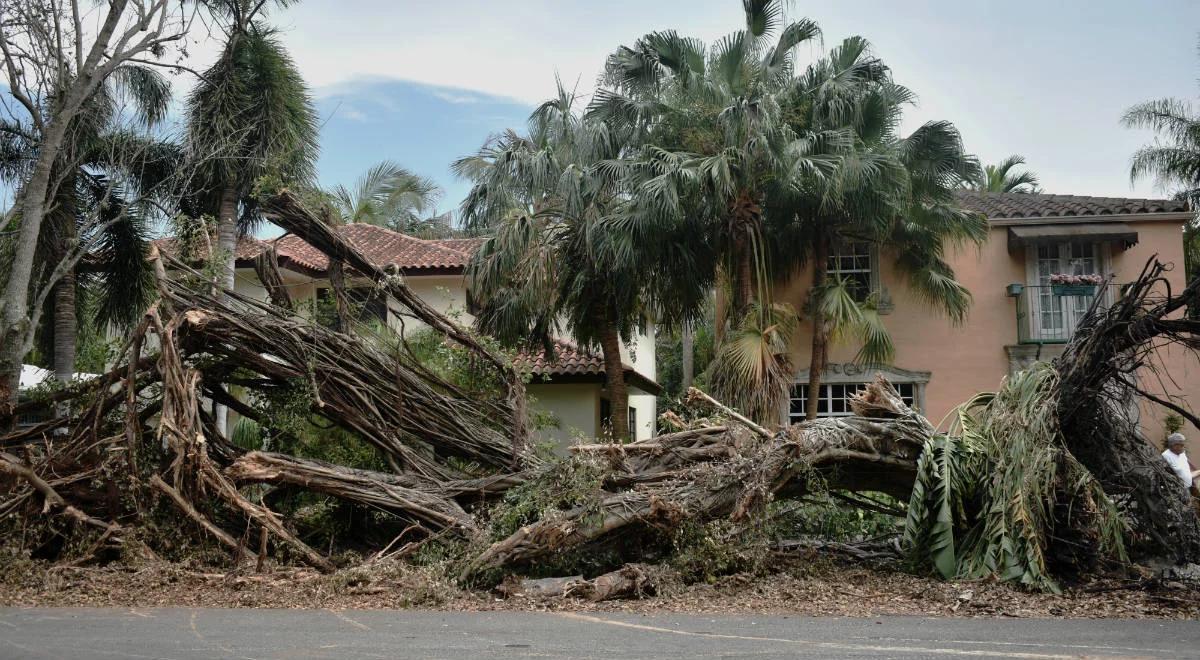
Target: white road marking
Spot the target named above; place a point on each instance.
(348, 620)
(1029, 644)
(840, 646)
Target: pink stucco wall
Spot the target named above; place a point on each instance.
(971, 358)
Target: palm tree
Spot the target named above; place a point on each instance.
(887, 190)
(249, 119)
(387, 195)
(712, 120)
(1001, 178)
(1172, 160)
(564, 255)
(108, 174)
(777, 169)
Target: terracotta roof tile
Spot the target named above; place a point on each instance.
(248, 248)
(467, 246)
(383, 247)
(1035, 206)
(568, 360)
(571, 360)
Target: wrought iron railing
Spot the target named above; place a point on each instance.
(1050, 314)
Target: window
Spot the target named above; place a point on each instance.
(852, 263)
(1057, 317)
(606, 418)
(835, 399)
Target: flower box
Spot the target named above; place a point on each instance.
(1073, 289)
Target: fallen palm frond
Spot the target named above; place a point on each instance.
(989, 499)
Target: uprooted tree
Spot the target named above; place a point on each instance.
(1044, 479)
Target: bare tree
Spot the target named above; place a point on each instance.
(57, 54)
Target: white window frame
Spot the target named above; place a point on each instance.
(850, 373)
(846, 259)
(1071, 308)
(840, 393)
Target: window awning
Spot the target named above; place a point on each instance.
(1108, 232)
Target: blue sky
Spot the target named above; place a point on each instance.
(423, 83)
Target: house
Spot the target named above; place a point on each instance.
(570, 386)
(1017, 316)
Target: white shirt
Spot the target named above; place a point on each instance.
(1179, 463)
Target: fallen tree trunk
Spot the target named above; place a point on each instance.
(877, 453)
(403, 496)
(629, 581)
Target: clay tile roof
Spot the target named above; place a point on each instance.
(1033, 206)
(571, 360)
(248, 248)
(383, 247)
(467, 246)
(568, 360)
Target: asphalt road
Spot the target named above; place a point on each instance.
(219, 633)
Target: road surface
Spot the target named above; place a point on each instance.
(188, 634)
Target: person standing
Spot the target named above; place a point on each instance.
(1177, 458)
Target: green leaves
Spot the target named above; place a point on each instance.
(753, 365)
(848, 318)
(1000, 178)
(387, 195)
(987, 503)
(251, 115)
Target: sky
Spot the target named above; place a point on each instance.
(423, 83)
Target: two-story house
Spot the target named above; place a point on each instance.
(570, 387)
(1017, 315)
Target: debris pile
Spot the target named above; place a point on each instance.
(1043, 480)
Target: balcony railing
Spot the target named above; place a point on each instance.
(1050, 314)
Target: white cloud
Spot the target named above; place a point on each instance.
(351, 113)
(507, 49)
(456, 97)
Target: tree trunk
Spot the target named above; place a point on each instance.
(614, 376)
(227, 235)
(820, 333)
(745, 226)
(66, 325)
(337, 282)
(15, 327)
(688, 357)
(66, 328)
(744, 286)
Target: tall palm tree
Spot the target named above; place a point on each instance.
(1001, 178)
(249, 118)
(563, 256)
(387, 195)
(786, 167)
(888, 190)
(108, 174)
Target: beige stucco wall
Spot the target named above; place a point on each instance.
(445, 293)
(970, 358)
(576, 407)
